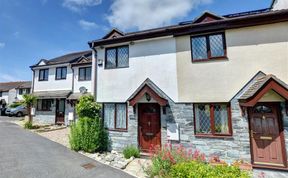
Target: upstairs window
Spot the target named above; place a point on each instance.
(23, 91)
(43, 74)
(115, 116)
(61, 73)
(84, 74)
(207, 47)
(212, 119)
(117, 57)
(0, 93)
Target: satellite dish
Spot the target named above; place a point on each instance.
(83, 90)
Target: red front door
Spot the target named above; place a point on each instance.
(266, 138)
(149, 126)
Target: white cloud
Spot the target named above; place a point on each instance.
(8, 78)
(2, 45)
(86, 25)
(144, 14)
(78, 5)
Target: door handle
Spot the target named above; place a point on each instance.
(251, 133)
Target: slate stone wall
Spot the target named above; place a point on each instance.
(228, 149)
(44, 117)
(120, 139)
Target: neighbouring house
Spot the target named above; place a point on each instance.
(11, 92)
(58, 83)
(217, 84)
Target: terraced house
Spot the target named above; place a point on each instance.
(216, 83)
(11, 92)
(58, 83)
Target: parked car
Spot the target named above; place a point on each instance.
(19, 111)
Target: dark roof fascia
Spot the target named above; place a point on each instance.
(48, 65)
(81, 64)
(179, 30)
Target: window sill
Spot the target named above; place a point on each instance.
(116, 68)
(42, 80)
(61, 79)
(213, 136)
(118, 130)
(83, 80)
(220, 58)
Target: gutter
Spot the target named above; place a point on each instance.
(179, 30)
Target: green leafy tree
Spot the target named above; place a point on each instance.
(87, 107)
(29, 101)
(88, 133)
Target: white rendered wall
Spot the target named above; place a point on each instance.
(78, 84)
(280, 4)
(52, 84)
(154, 59)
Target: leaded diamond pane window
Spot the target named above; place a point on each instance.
(117, 57)
(208, 47)
(221, 119)
(199, 46)
(212, 119)
(202, 114)
(111, 58)
(216, 45)
(123, 58)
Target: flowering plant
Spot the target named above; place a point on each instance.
(164, 158)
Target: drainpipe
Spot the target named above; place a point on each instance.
(72, 77)
(33, 78)
(94, 73)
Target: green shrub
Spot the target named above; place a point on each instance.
(89, 135)
(14, 105)
(164, 158)
(28, 125)
(130, 151)
(87, 107)
(195, 169)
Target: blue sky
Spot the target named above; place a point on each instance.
(34, 29)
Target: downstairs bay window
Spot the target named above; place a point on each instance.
(115, 116)
(212, 120)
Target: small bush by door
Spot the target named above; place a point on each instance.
(88, 134)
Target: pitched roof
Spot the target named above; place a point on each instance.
(113, 33)
(6, 86)
(152, 89)
(251, 18)
(67, 58)
(206, 17)
(26, 84)
(259, 83)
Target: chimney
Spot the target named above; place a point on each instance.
(279, 5)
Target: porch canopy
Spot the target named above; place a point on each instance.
(260, 87)
(52, 94)
(76, 96)
(148, 88)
